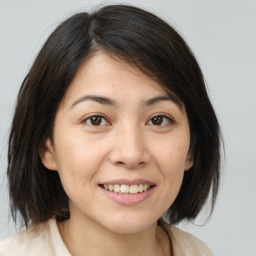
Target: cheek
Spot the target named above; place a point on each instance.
(75, 151)
(171, 158)
(172, 172)
(77, 163)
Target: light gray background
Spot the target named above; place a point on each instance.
(222, 34)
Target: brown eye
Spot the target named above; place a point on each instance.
(160, 121)
(96, 121)
(157, 120)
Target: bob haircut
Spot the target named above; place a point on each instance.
(140, 39)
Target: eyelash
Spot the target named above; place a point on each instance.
(100, 118)
(168, 119)
(95, 116)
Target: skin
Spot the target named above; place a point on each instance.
(126, 143)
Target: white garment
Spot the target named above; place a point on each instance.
(45, 240)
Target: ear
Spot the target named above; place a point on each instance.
(189, 161)
(47, 155)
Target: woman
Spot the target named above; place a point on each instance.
(113, 141)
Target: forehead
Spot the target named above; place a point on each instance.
(102, 68)
(106, 74)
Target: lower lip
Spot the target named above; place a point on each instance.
(131, 199)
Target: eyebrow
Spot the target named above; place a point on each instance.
(99, 99)
(107, 101)
(157, 99)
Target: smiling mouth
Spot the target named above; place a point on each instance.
(123, 189)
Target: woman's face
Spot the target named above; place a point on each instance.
(120, 146)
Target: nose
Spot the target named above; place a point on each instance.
(129, 149)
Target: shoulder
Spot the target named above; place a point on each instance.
(188, 243)
(184, 243)
(33, 241)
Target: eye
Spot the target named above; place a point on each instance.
(160, 120)
(96, 120)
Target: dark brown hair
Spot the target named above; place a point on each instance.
(140, 39)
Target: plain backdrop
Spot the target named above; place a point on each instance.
(222, 34)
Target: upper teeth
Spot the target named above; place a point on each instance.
(133, 189)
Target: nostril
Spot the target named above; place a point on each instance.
(128, 158)
(120, 163)
(130, 164)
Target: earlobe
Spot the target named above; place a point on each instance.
(47, 155)
(189, 162)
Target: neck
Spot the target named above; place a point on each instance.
(89, 238)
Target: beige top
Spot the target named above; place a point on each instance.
(46, 241)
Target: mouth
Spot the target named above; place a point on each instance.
(128, 192)
(124, 189)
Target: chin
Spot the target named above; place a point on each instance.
(130, 224)
(128, 229)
